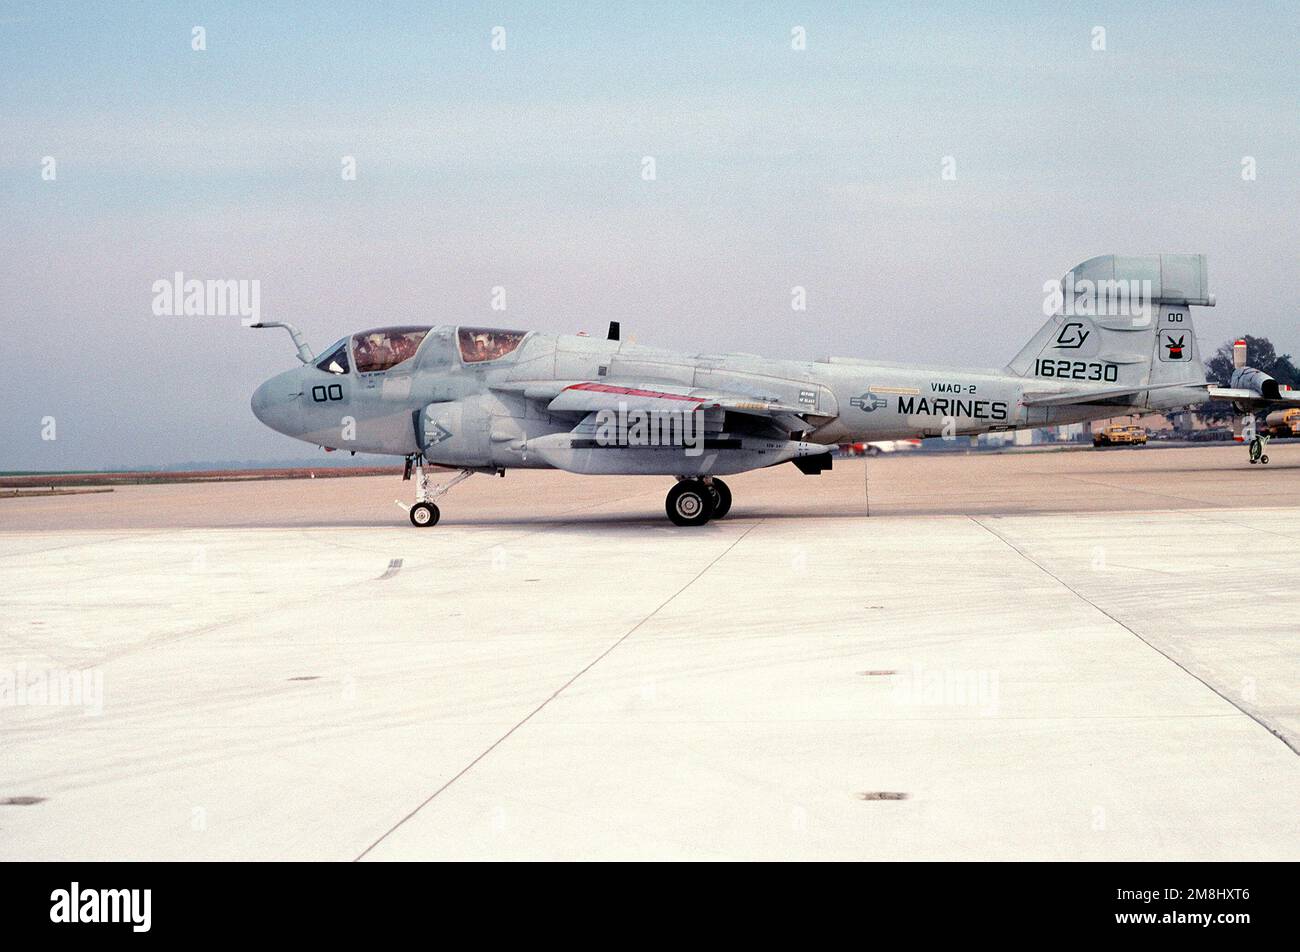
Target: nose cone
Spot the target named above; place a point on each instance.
(275, 402)
(261, 402)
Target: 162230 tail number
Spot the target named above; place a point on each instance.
(1076, 370)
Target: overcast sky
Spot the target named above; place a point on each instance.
(775, 167)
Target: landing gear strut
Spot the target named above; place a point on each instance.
(424, 513)
(693, 502)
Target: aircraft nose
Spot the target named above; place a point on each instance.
(261, 402)
(275, 402)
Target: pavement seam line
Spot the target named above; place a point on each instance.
(1182, 667)
(558, 691)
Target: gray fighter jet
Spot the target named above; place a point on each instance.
(1248, 390)
(485, 400)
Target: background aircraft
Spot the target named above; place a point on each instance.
(489, 400)
(1250, 390)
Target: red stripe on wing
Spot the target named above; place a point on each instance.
(632, 392)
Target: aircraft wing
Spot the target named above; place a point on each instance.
(589, 396)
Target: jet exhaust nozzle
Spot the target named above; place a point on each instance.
(1249, 378)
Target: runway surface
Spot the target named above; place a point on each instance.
(1051, 655)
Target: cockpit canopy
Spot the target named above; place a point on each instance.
(375, 351)
(385, 347)
(337, 361)
(478, 344)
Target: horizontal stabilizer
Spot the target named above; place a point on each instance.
(1239, 395)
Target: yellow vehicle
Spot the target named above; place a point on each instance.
(1283, 422)
(1137, 435)
(1120, 435)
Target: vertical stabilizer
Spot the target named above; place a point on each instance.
(1123, 321)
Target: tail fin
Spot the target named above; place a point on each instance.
(1122, 321)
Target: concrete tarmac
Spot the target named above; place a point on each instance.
(1079, 655)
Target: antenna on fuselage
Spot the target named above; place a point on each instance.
(304, 352)
(613, 331)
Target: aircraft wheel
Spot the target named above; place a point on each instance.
(1264, 458)
(424, 514)
(721, 498)
(689, 503)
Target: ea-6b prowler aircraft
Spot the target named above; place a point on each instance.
(484, 400)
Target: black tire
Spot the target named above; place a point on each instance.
(689, 503)
(1264, 458)
(721, 498)
(424, 514)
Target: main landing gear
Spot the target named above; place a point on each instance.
(424, 513)
(693, 502)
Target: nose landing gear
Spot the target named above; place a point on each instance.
(693, 502)
(424, 513)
